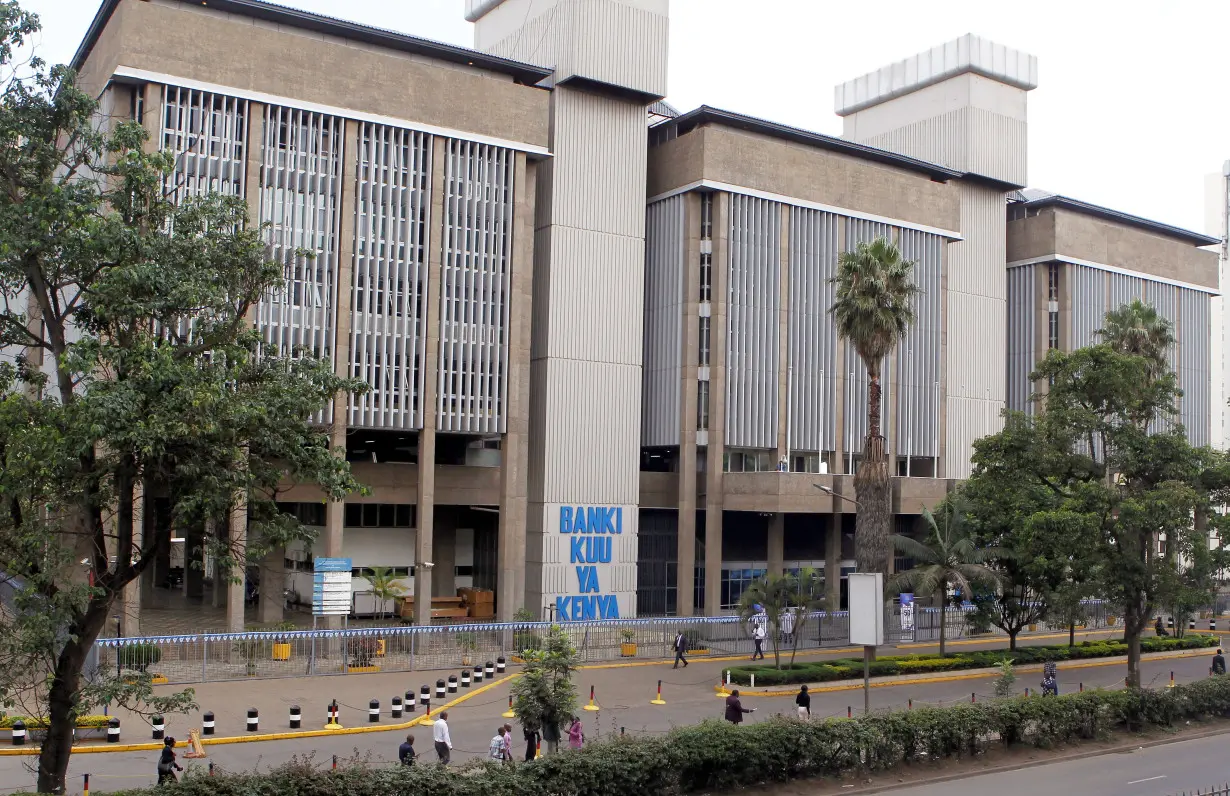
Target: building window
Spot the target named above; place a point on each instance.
(749, 461)
(702, 406)
(706, 247)
(1052, 298)
(379, 515)
(306, 513)
(735, 582)
(806, 463)
(704, 342)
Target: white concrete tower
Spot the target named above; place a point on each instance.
(609, 58)
(961, 105)
(1217, 223)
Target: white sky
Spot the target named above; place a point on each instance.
(1131, 109)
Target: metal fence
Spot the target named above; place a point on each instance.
(220, 656)
(1216, 790)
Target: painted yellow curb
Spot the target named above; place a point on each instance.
(273, 736)
(982, 674)
(852, 650)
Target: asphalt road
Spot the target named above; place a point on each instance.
(624, 695)
(1184, 766)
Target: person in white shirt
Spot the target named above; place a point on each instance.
(439, 734)
(496, 749)
(758, 636)
(787, 627)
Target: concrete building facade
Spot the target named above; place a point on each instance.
(603, 376)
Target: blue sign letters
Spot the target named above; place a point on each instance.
(591, 529)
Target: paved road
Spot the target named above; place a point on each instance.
(624, 695)
(1156, 771)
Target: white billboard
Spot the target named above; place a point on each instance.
(867, 608)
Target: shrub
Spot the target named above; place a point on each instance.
(849, 668)
(83, 722)
(716, 756)
(138, 656)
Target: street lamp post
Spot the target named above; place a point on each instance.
(829, 491)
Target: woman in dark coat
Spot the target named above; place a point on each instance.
(166, 763)
(735, 709)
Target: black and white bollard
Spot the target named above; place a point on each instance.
(1170, 623)
(410, 700)
(19, 733)
(489, 670)
(478, 674)
(253, 720)
(296, 717)
(452, 683)
(373, 711)
(113, 730)
(159, 724)
(1212, 624)
(1191, 624)
(465, 678)
(500, 665)
(395, 710)
(207, 723)
(440, 689)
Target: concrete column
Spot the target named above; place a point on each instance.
(514, 454)
(832, 563)
(685, 575)
(335, 514)
(237, 524)
(714, 502)
(783, 344)
(941, 465)
(424, 545)
(444, 556)
(777, 544)
(273, 581)
(218, 532)
(133, 591)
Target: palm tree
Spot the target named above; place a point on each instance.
(384, 587)
(1137, 329)
(873, 311)
(807, 597)
(772, 593)
(948, 558)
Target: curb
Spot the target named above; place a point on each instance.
(972, 674)
(1067, 758)
(969, 642)
(272, 736)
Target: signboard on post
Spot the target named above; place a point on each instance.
(331, 587)
(907, 612)
(867, 621)
(866, 608)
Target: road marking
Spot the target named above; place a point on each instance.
(1146, 779)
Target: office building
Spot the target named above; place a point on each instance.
(604, 380)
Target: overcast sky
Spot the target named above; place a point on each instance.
(1131, 109)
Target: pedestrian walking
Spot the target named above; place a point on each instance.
(1159, 629)
(495, 750)
(576, 733)
(788, 627)
(758, 636)
(1050, 679)
(444, 743)
(166, 763)
(735, 709)
(405, 752)
(803, 703)
(681, 646)
(507, 743)
(1219, 664)
(532, 737)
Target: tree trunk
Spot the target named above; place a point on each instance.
(1131, 635)
(943, 613)
(62, 697)
(872, 526)
(1071, 634)
(1012, 640)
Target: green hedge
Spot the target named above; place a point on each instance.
(83, 722)
(852, 668)
(716, 756)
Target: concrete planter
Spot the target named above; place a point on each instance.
(627, 650)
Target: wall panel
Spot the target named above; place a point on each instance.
(1022, 311)
(814, 242)
(387, 326)
(919, 352)
(664, 311)
(753, 304)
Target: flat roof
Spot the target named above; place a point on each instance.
(1032, 197)
(318, 23)
(706, 115)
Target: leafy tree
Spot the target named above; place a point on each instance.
(1116, 488)
(947, 558)
(544, 695)
(873, 309)
(1138, 330)
(807, 597)
(139, 374)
